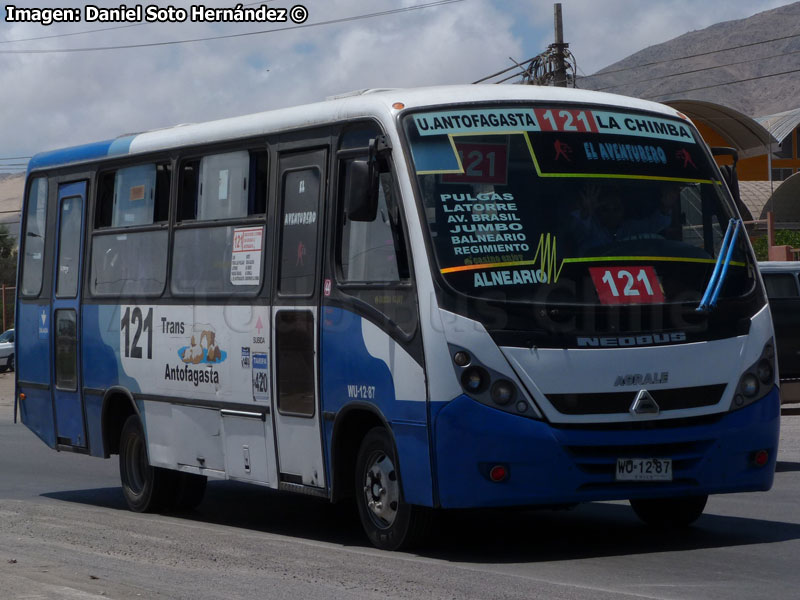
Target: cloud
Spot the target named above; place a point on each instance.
(54, 100)
(601, 33)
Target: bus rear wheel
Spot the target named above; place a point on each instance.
(669, 512)
(146, 488)
(389, 522)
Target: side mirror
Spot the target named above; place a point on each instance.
(362, 183)
(361, 191)
(729, 174)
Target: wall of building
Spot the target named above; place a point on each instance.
(756, 168)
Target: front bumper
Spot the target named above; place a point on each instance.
(555, 465)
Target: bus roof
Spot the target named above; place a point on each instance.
(368, 103)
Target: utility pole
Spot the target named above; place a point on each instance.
(560, 70)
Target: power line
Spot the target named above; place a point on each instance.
(60, 35)
(741, 62)
(658, 62)
(237, 35)
(706, 87)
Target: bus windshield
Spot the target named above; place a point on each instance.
(569, 204)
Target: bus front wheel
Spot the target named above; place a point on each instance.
(390, 522)
(146, 488)
(669, 512)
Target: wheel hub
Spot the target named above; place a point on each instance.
(382, 493)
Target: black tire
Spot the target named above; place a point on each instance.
(146, 488)
(11, 364)
(191, 489)
(669, 512)
(389, 522)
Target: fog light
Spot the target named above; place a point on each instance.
(502, 392)
(461, 358)
(522, 406)
(498, 473)
(749, 385)
(764, 371)
(761, 458)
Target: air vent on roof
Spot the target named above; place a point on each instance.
(359, 93)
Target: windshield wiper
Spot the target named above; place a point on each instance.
(714, 287)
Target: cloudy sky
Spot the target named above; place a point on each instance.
(62, 98)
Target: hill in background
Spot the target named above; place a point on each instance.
(660, 73)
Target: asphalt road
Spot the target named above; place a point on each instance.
(65, 534)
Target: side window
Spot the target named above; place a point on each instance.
(374, 251)
(781, 285)
(131, 259)
(226, 258)
(299, 228)
(34, 238)
(372, 257)
(66, 355)
(223, 186)
(133, 196)
(69, 247)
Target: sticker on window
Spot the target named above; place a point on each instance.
(260, 377)
(627, 285)
(246, 256)
(137, 193)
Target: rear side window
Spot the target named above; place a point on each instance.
(133, 196)
(781, 285)
(231, 185)
(34, 238)
(131, 258)
(220, 258)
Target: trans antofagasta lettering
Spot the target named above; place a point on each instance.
(474, 120)
(190, 375)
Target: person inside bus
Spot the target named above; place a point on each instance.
(601, 218)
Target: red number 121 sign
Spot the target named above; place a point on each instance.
(627, 285)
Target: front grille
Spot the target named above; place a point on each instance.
(648, 425)
(620, 402)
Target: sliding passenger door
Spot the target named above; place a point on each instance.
(65, 317)
(295, 314)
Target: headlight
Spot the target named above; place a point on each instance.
(765, 372)
(758, 380)
(749, 385)
(490, 387)
(502, 392)
(474, 380)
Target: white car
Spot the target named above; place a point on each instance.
(7, 350)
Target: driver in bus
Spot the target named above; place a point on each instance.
(601, 219)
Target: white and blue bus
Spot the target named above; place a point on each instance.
(470, 296)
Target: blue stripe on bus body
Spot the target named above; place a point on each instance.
(121, 145)
(543, 469)
(36, 412)
(57, 158)
(33, 365)
(33, 362)
(102, 367)
(346, 361)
